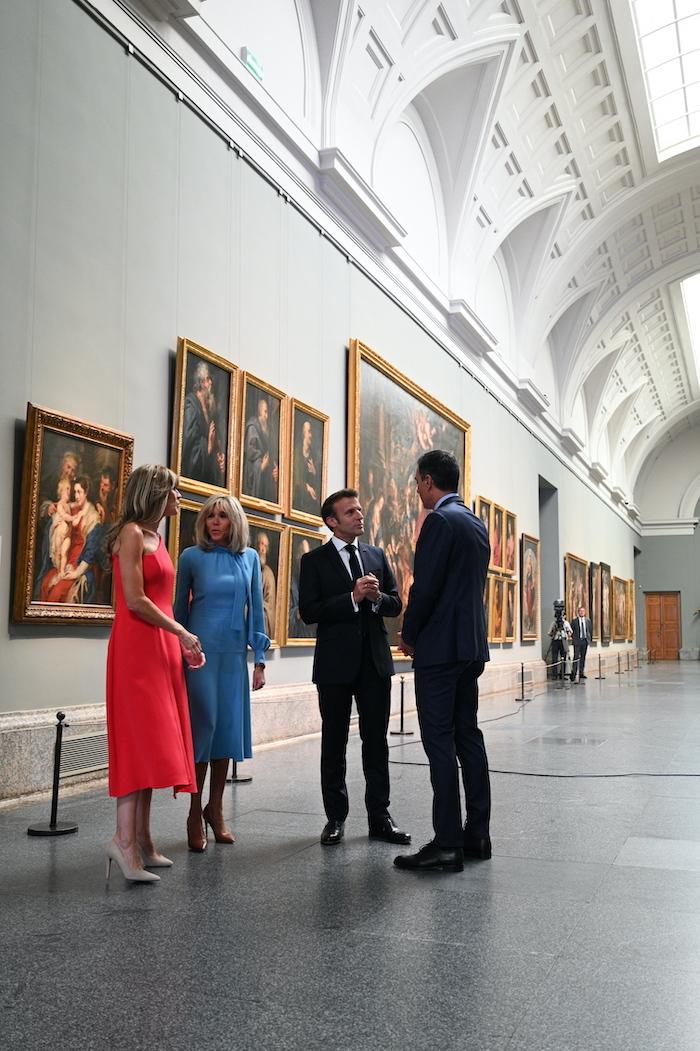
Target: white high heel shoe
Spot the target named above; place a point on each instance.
(114, 853)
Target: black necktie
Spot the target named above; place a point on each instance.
(355, 567)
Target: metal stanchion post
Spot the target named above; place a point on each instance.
(401, 732)
(236, 778)
(628, 661)
(619, 663)
(600, 668)
(54, 827)
(522, 696)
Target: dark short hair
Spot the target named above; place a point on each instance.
(328, 506)
(442, 468)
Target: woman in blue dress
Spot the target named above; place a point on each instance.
(219, 598)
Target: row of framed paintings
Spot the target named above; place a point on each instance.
(280, 548)
(500, 607)
(236, 433)
(502, 527)
(501, 598)
(610, 600)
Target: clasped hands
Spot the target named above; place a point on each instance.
(366, 587)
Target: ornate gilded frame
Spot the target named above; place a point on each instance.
(319, 539)
(529, 543)
(575, 572)
(251, 499)
(297, 513)
(281, 579)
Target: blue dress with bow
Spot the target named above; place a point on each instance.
(219, 598)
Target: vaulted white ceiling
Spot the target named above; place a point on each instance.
(498, 154)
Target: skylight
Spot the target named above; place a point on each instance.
(668, 34)
(691, 300)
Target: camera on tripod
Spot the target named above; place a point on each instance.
(559, 606)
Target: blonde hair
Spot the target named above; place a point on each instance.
(145, 497)
(239, 536)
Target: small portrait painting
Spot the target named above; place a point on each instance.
(72, 491)
(482, 509)
(267, 538)
(575, 584)
(300, 542)
(510, 611)
(510, 543)
(605, 602)
(181, 528)
(205, 397)
(497, 609)
(497, 539)
(529, 588)
(308, 463)
(262, 469)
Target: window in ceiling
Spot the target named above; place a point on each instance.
(668, 34)
(690, 289)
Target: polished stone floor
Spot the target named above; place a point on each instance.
(581, 934)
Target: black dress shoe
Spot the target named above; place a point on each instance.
(478, 847)
(431, 857)
(384, 828)
(583, 677)
(332, 833)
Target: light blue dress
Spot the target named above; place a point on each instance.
(219, 598)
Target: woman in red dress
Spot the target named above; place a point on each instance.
(148, 723)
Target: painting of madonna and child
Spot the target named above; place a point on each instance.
(391, 423)
(72, 486)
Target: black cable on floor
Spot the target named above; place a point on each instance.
(570, 777)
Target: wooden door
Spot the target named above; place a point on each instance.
(663, 619)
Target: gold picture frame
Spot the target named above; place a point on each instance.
(529, 588)
(482, 509)
(73, 478)
(181, 526)
(510, 611)
(497, 610)
(575, 584)
(296, 633)
(273, 572)
(619, 609)
(510, 544)
(630, 610)
(307, 471)
(262, 463)
(204, 419)
(391, 421)
(496, 536)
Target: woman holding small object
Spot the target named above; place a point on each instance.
(148, 727)
(219, 596)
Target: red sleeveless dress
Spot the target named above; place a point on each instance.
(148, 721)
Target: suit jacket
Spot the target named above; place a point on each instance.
(325, 599)
(444, 620)
(575, 631)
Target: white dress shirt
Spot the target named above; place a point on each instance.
(340, 546)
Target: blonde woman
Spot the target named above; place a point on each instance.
(148, 726)
(219, 597)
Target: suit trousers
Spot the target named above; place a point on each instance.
(447, 698)
(560, 650)
(579, 665)
(372, 693)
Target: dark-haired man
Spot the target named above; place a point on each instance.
(444, 630)
(347, 588)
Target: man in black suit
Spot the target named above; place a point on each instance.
(581, 632)
(444, 630)
(346, 588)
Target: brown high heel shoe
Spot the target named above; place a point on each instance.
(221, 834)
(197, 844)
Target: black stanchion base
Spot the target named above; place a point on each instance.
(599, 678)
(61, 828)
(239, 779)
(401, 733)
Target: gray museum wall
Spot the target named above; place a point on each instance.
(127, 222)
(671, 563)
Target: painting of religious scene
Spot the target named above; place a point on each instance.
(267, 538)
(181, 528)
(605, 603)
(496, 537)
(300, 542)
(510, 542)
(619, 609)
(204, 419)
(529, 587)
(594, 599)
(510, 611)
(630, 610)
(72, 490)
(575, 585)
(308, 463)
(391, 423)
(496, 618)
(263, 444)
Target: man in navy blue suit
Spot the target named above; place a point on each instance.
(444, 630)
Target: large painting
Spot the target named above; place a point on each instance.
(605, 603)
(72, 490)
(181, 528)
(575, 584)
(509, 546)
(391, 422)
(510, 614)
(619, 609)
(529, 588)
(630, 610)
(296, 632)
(263, 443)
(268, 539)
(308, 463)
(594, 595)
(204, 419)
